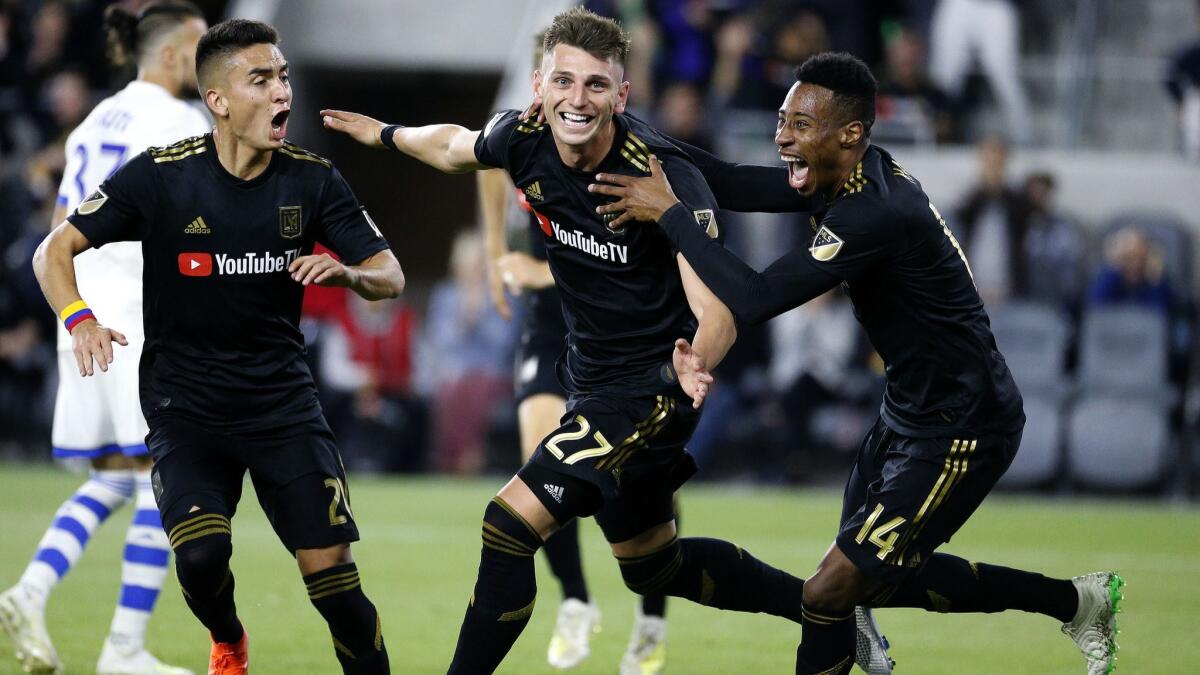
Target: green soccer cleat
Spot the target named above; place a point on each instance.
(1094, 628)
(870, 648)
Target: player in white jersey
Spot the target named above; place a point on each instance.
(99, 417)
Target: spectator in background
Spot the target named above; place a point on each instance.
(1054, 249)
(991, 227)
(681, 115)
(909, 106)
(1132, 273)
(66, 101)
(987, 31)
(465, 360)
(756, 61)
(366, 363)
(1183, 84)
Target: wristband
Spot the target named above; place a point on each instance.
(74, 314)
(385, 136)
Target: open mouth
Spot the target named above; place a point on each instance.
(797, 171)
(572, 120)
(279, 124)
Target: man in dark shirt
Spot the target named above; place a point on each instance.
(628, 301)
(227, 222)
(951, 419)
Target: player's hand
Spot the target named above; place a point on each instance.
(321, 270)
(692, 370)
(496, 285)
(521, 271)
(645, 198)
(534, 112)
(93, 342)
(361, 128)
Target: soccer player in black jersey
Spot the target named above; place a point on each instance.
(628, 301)
(952, 417)
(227, 223)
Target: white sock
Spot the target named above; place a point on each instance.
(147, 554)
(74, 523)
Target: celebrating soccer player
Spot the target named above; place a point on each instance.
(952, 417)
(227, 222)
(628, 301)
(99, 418)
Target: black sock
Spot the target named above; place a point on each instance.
(203, 546)
(715, 573)
(353, 621)
(655, 604)
(504, 592)
(827, 647)
(948, 583)
(562, 552)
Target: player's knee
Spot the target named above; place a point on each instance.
(832, 590)
(506, 532)
(652, 573)
(203, 546)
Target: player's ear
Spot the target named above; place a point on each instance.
(216, 102)
(851, 134)
(537, 82)
(622, 97)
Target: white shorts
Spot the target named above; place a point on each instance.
(101, 414)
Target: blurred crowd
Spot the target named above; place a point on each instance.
(425, 383)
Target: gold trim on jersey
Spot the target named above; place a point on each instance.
(855, 183)
(636, 152)
(529, 127)
(952, 472)
(297, 152)
(177, 151)
(648, 428)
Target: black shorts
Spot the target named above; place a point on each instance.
(297, 474)
(907, 496)
(631, 450)
(535, 371)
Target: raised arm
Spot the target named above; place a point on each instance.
(747, 187)
(54, 267)
(446, 147)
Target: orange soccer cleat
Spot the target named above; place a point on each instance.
(230, 659)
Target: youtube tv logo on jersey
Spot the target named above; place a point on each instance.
(196, 264)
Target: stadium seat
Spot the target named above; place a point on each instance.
(1124, 349)
(1118, 443)
(1033, 339)
(1040, 458)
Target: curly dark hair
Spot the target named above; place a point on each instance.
(849, 79)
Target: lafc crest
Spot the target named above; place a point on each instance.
(707, 221)
(290, 223)
(825, 245)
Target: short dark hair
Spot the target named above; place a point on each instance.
(599, 36)
(849, 79)
(228, 37)
(129, 35)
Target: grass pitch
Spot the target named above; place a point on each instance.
(420, 550)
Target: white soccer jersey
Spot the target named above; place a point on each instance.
(123, 125)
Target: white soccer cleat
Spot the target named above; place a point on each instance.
(25, 625)
(1094, 628)
(577, 621)
(114, 660)
(647, 650)
(870, 648)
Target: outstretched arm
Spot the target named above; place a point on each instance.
(747, 187)
(376, 278)
(446, 147)
(54, 267)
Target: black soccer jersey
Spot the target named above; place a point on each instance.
(221, 313)
(622, 296)
(912, 290)
(544, 318)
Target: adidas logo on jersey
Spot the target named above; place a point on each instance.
(555, 491)
(534, 192)
(197, 226)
